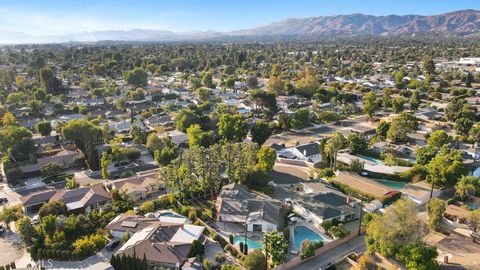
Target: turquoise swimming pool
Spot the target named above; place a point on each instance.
(252, 244)
(391, 184)
(301, 233)
(376, 161)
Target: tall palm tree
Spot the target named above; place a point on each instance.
(330, 151)
(465, 187)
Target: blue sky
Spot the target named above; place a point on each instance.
(45, 17)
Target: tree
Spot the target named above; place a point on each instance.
(48, 224)
(275, 246)
(8, 119)
(232, 128)
(252, 82)
(185, 118)
(301, 119)
(425, 154)
(357, 166)
(49, 81)
(26, 230)
(445, 168)
(438, 138)
(475, 134)
(357, 144)
(255, 260)
(260, 132)
(263, 100)
(474, 222)
(466, 186)
(44, 128)
(203, 94)
(84, 135)
(435, 209)
(403, 124)
(16, 142)
(138, 135)
(207, 80)
(307, 249)
(266, 159)
(71, 184)
(147, 207)
(276, 85)
(415, 100)
(419, 256)
(137, 77)
(198, 137)
(104, 163)
(55, 208)
(399, 226)
(51, 170)
(428, 65)
(397, 104)
(463, 126)
(370, 104)
(383, 128)
(10, 213)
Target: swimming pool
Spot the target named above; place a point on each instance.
(171, 214)
(301, 233)
(391, 184)
(252, 244)
(376, 161)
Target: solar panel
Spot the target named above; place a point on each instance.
(129, 224)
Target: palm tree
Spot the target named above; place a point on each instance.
(464, 187)
(330, 151)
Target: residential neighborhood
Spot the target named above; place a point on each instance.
(344, 147)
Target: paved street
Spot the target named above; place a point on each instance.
(356, 245)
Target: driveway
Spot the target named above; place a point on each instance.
(11, 248)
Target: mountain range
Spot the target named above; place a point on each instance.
(462, 22)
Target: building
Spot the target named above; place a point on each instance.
(419, 192)
(79, 200)
(302, 155)
(163, 244)
(236, 204)
(322, 207)
(362, 184)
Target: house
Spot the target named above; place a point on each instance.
(33, 201)
(139, 186)
(120, 127)
(321, 207)
(178, 137)
(159, 121)
(236, 204)
(163, 244)
(84, 199)
(63, 157)
(419, 192)
(303, 155)
(79, 200)
(362, 184)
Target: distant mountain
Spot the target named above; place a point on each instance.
(463, 22)
(458, 22)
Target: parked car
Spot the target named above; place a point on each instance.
(112, 244)
(35, 220)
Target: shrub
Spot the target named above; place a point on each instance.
(147, 207)
(230, 238)
(132, 153)
(241, 246)
(307, 249)
(220, 257)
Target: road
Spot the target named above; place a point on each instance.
(356, 245)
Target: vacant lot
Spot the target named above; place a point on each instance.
(11, 250)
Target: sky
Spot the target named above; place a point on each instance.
(56, 17)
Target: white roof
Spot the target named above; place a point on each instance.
(175, 220)
(137, 237)
(74, 205)
(188, 233)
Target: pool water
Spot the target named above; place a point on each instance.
(252, 244)
(171, 214)
(376, 161)
(391, 184)
(301, 233)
